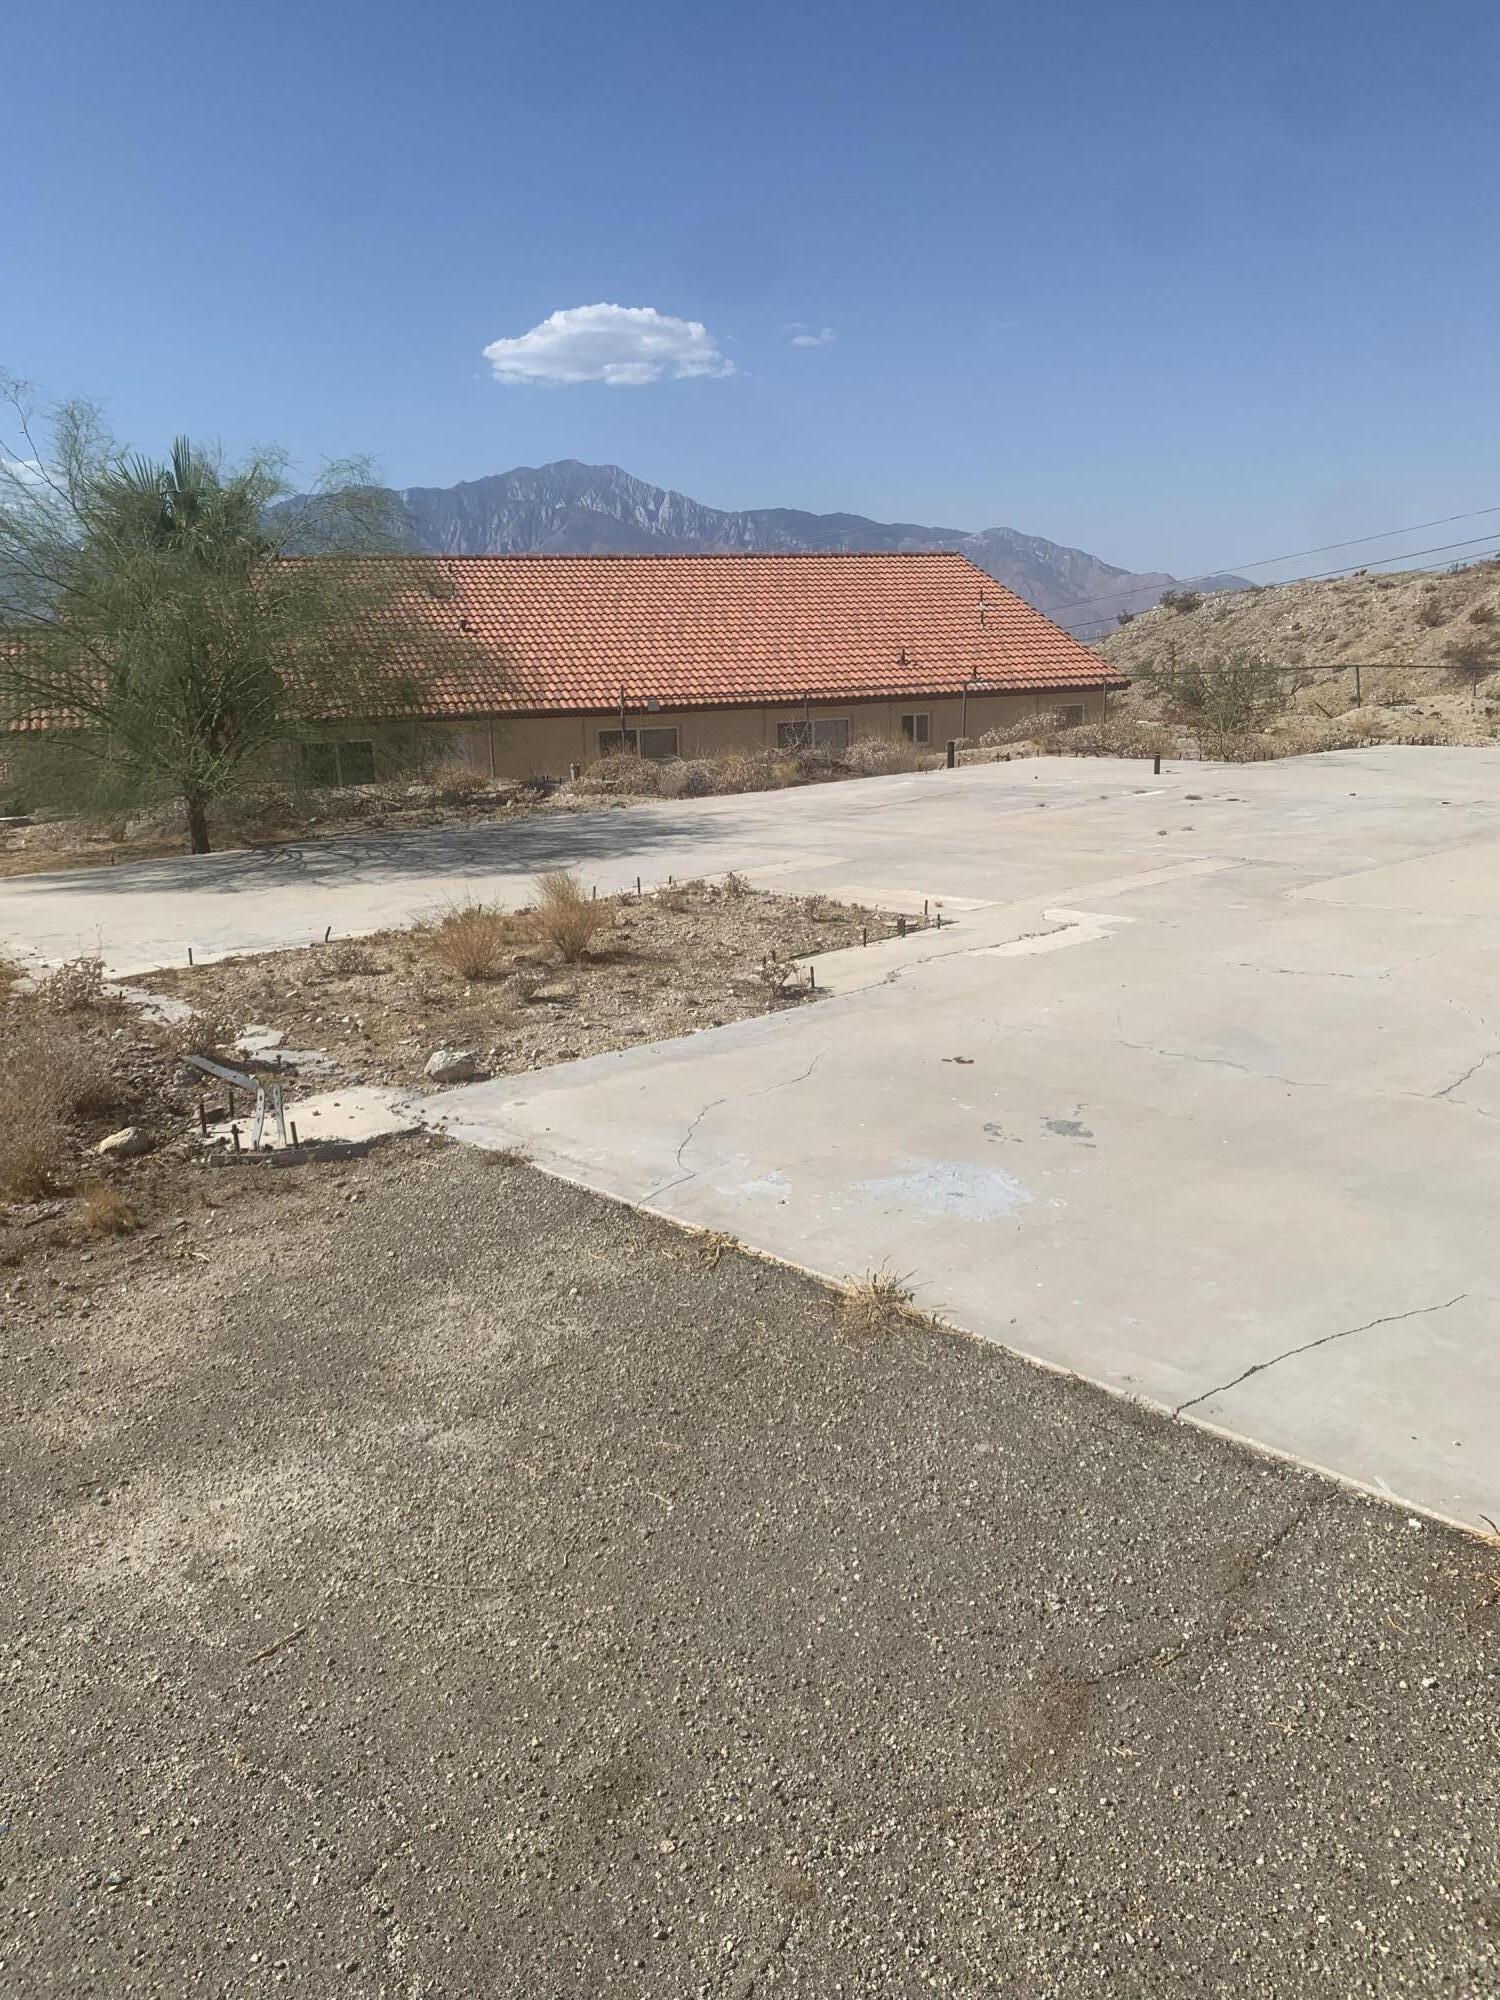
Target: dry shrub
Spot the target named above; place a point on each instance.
(105, 1211)
(620, 775)
(1429, 611)
(346, 958)
(1468, 653)
(567, 919)
(472, 940)
(784, 980)
(1482, 614)
(690, 778)
(76, 986)
(880, 756)
(1023, 728)
(206, 1031)
(48, 1075)
(1116, 738)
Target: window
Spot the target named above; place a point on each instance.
(917, 728)
(1072, 714)
(331, 763)
(826, 733)
(657, 743)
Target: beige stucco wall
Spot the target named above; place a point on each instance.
(549, 745)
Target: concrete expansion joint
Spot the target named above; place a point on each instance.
(1306, 1347)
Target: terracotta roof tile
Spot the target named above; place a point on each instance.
(554, 633)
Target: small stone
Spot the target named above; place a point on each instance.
(557, 993)
(126, 1144)
(451, 1066)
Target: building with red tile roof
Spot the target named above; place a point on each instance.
(551, 661)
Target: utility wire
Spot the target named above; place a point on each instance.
(1297, 555)
(1322, 575)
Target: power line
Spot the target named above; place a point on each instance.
(1297, 555)
(1322, 575)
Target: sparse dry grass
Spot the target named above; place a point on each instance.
(105, 1211)
(47, 1077)
(869, 1303)
(472, 940)
(567, 919)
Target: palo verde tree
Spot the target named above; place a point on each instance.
(170, 630)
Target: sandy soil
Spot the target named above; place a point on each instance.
(684, 958)
(1428, 648)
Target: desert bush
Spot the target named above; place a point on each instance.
(346, 958)
(1219, 695)
(1122, 737)
(1482, 614)
(1468, 653)
(1123, 618)
(105, 1211)
(48, 1075)
(881, 756)
(75, 987)
(204, 1031)
(783, 979)
(687, 779)
(620, 775)
(472, 940)
(567, 919)
(1429, 610)
(1043, 722)
(1180, 600)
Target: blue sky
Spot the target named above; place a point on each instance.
(1182, 284)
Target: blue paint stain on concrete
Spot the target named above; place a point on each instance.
(954, 1188)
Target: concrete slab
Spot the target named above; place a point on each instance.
(1231, 1147)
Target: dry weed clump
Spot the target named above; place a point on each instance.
(472, 940)
(871, 1302)
(567, 919)
(48, 1076)
(206, 1031)
(76, 987)
(105, 1211)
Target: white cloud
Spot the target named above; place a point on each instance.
(24, 471)
(624, 346)
(812, 336)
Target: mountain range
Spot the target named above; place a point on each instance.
(568, 508)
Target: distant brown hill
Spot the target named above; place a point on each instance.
(568, 508)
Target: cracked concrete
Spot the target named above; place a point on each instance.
(1275, 1165)
(1342, 1333)
(1271, 1158)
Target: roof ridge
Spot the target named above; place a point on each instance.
(696, 555)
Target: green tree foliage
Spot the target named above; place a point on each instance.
(175, 630)
(1220, 695)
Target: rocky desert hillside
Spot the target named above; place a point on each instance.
(1427, 648)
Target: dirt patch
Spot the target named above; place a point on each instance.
(690, 956)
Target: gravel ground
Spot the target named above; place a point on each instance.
(673, 960)
(437, 1581)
